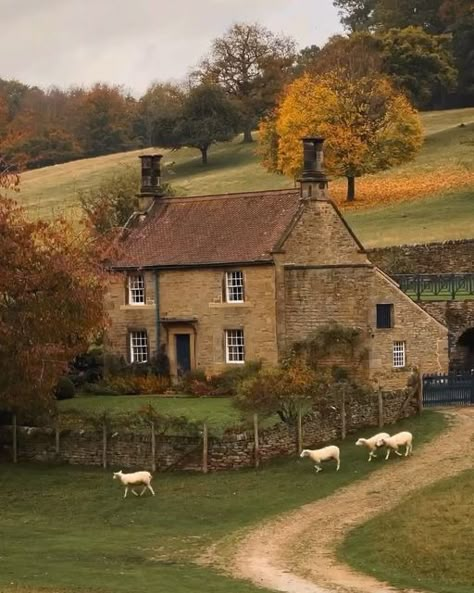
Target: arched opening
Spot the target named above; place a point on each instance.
(463, 358)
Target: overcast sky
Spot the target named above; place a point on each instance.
(133, 42)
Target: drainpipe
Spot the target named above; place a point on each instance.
(157, 310)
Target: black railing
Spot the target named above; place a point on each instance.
(455, 389)
(436, 287)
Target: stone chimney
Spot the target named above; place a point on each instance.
(150, 187)
(313, 181)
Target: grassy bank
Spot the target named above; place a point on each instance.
(68, 528)
(425, 543)
(427, 199)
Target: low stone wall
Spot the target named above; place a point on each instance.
(232, 451)
(430, 258)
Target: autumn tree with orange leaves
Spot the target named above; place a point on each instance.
(368, 126)
(52, 285)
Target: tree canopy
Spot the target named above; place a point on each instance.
(199, 118)
(52, 286)
(251, 64)
(368, 125)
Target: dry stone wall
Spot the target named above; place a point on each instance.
(232, 451)
(430, 258)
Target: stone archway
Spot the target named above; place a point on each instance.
(462, 357)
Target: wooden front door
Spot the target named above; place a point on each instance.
(183, 353)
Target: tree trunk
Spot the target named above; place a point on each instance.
(248, 134)
(204, 150)
(351, 189)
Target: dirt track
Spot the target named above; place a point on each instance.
(296, 552)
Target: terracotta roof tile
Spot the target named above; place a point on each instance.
(230, 228)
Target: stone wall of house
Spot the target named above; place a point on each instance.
(233, 451)
(191, 301)
(321, 237)
(348, 295)
(430, 258)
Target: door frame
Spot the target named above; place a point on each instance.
(171, 346)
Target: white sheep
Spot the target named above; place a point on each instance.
(372, 443)
(397, 440)
(135, 479)
(324, 454)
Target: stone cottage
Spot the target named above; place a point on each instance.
(224, 279)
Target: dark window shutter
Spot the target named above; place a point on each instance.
(384, 316)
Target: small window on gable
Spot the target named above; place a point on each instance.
(136, 289)
(234, 287)
(384, 316)
(234, 346)
(399, 355)
(138, 346)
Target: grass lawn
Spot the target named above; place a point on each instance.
(435, 535)
(218, 412)
(67, 528)
(427, 199)
(439, 218)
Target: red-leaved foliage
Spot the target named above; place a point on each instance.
(52, 285)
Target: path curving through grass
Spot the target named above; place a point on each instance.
(297, 552)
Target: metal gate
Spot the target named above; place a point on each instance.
(455, 389)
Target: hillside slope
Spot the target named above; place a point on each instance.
(427, 199)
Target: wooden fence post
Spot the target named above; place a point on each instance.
(14, 439)
(104, 444)
(380, 402)
(299, 435)
(153, 447)
(256, 441)
(343, 415)
(57, 438)
(205, 448)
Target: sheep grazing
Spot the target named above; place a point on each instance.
(324, 454)
(397, 440)
(135, 479)
(372, 443)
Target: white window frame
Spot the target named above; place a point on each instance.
(138, 347)
(234, 282)
(136, 286)
(234, 346)
(399, 356)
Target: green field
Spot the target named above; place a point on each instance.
(437, 214)
(435, 535)
(217, 412)
(68, 529)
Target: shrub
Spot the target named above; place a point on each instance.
(65, 389)
(227, 382)
(138, 385)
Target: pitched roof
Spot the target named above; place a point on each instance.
(222, 229)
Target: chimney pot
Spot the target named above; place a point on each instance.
(151, 174)
(313, 180)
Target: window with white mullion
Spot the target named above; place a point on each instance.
(136, 289)
(138, 346)
(235, 346)
(399, 355)
(234, 287)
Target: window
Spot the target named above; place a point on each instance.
(138, 346)
(399, 355)
(136, 290)
(234, 287)
(384, 316)
(235, 346)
